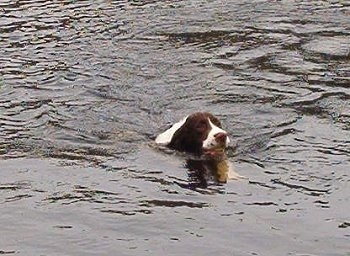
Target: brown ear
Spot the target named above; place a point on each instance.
(178, 138)
(184, 140)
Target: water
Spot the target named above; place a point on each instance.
(85, 86)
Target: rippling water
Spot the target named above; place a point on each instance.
(86, 85)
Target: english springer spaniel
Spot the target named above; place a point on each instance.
(201, 135)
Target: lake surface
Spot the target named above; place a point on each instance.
(85, 86)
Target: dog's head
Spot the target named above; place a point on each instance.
(200, 133)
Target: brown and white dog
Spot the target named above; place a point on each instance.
(200, 134)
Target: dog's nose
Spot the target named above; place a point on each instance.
(221, 137)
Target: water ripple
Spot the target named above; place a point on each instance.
(87, 85)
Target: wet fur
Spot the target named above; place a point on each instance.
(190, 136)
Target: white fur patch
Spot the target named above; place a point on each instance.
(166, 137)
(210, 141)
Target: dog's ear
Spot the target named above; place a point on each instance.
(180, 138)
(187, 140)
(166, 137)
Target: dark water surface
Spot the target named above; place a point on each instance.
(86, 85)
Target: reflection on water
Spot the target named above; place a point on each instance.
(86, 85)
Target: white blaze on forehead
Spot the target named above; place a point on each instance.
(166, 137)
(210, 141)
